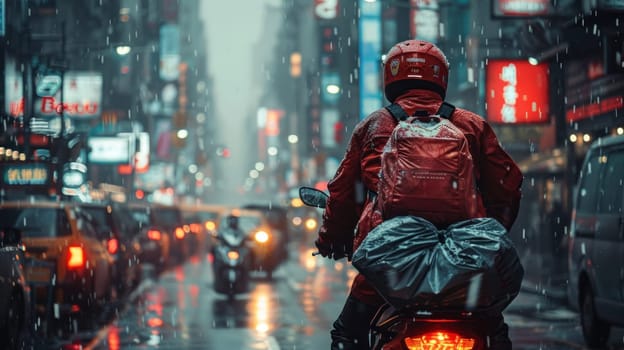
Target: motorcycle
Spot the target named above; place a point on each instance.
(417, 326)
(232, 262)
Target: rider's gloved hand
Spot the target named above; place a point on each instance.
(334, 250)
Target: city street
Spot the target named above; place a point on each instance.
(137, 135)
(180, 310)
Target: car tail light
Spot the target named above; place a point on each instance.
(210, 225)
(153, 234)
(72, 346)
(76, 257)
(179, 233)
(195, 228)
(261, 236)
(439, 340)
(112, 245)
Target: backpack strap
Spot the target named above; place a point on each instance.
(397, 112)
(446, 110)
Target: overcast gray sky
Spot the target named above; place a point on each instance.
(233, 28)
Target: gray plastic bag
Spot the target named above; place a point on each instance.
(470, 265)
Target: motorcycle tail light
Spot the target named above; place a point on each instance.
(154, 235)
(439, 340)
(76, 258)
(261, 237)
(112, 245)
(233, 255)
(179, 233)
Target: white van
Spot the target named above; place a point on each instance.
(596, 245)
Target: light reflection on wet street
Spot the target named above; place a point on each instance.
(293, 310)
(181, 310)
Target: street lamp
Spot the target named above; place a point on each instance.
(332, 89)
(123, 50)
(272, 151)
(182, 134)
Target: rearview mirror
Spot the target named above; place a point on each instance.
(313, 197)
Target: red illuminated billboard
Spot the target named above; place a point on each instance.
(516, 92)
(531, 8)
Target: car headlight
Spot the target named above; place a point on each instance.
(233, 255)
(210, 225)
(261, 236)
(296, 220)
(310, 224)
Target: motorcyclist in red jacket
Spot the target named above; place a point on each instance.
(415, 77)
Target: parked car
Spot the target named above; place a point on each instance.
(124, 237)
(61, 234)
(154, 241)
(596, 244)
(14, 291)
(264, 242)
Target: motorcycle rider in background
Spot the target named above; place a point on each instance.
(232, 222)
(415, 77)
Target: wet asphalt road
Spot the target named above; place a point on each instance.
(292, 311)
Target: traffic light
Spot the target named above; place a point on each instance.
(179, 132)
(223, 152)
(339, 132)
(329, 46)
(179, 137)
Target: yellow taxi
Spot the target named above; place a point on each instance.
(79, 270)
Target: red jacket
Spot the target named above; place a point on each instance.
(346, 220)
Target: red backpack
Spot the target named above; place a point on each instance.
(427, 169)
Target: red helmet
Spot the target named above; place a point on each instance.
(415, 64)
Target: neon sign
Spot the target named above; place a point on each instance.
(516, 92)
(25, 174)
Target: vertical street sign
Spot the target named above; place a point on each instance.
(370, 57)
(2, 17)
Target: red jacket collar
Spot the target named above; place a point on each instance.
(414, 100)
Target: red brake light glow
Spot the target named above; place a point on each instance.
(76, 257)
(439, 340)
(112, 245)
(179, 233)
(195, 228)
(154, 235)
